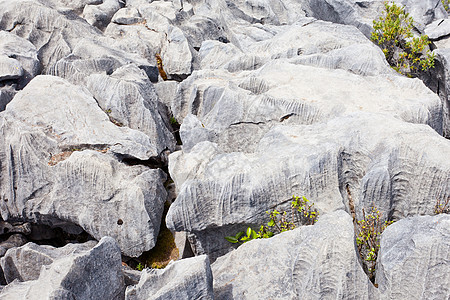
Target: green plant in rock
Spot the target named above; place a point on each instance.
(393, 32)
(241, 238)
(173, 121)
(302, 212)
(446, 4)
(369, 231)
(140, 267)
(442, 207)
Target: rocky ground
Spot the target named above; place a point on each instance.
(275, 98)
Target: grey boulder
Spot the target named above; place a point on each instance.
(24, 263)
(100, 15)
(310, 262)
(186, 279)
(87, 275)
(370, 153)
(18, 65)
(65, 164)
(413, 261)
(130, 100)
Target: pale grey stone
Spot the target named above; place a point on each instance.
(413, 261)
(6, 95)
(127, 16)
(89, 275)
(239, 108)
(22, 57)
(100, 15)
(442, 85)
(129, 98)
(24, 263)
(15, 240)
(61, 167)
(437, 29)
(310, 262)
(10, 69)
(189, 278)
(386, 162)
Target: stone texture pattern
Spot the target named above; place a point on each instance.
(77, 179)
(413, 261)
(310, 262)
(91, 274)
(24, 263)
(383, 161)
(190, 278)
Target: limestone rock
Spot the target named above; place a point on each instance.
(189, 278)
(24, 263)
(127, 16)
(130, 100)
(15, 240)
(413, 259)
(55, 133)
(10, 69)
(20, 56)
(395, 165)
(310, 262)
(100, 15)
(441, 84)
(437, 29)
(238, 109)
(6, 95)
(92, 274)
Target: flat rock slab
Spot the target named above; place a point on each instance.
(239, 108)
(186, 279)
(413, 261)
(61, 167)
(310, 262)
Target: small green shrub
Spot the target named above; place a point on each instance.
(173, 121)
(369, 231)
(442, 208)
(405, 53)
(302, 212)
(140, 267)
(446, 4)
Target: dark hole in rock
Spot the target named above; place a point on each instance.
(178, 77)
(223, 40)
(153, 162)
(119, 222)
(45, 235)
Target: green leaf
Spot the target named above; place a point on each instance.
(249, 232)
(254, 235)
(271, 223)
(231, 239)
(239, 234)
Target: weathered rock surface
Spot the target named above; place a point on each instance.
(59, 164)
(15, 240)
(310, 262)
(100, 15)
(22, 58)
(130, 100)
(413, 261)
(397, 166)
(190, 278)
(275, 97)
(92, 274)
(24, 263)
